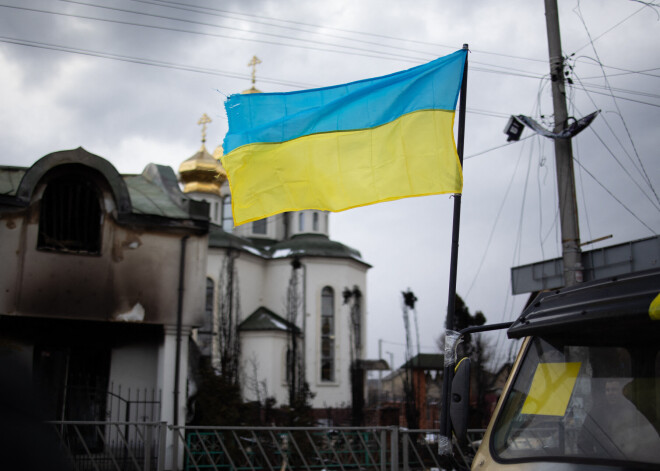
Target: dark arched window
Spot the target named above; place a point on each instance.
(70, 215)
(327, 334)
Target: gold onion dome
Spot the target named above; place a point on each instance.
(202, 173)
(251, 90)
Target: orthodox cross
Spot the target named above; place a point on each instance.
(204, 120)
(253, 63)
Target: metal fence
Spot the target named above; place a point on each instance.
(313, 449)
(120, 446)
(116, 446)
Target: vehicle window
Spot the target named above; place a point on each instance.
(577, 403)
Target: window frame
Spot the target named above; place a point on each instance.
(71, 214)
(328, 293)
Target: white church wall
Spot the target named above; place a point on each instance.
(337, 274)
(264, 362)
(276, 279)
(251, 277)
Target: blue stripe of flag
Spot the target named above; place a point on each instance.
(280, 117)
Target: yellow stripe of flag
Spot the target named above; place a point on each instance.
(414, 155)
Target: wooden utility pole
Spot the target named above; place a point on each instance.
(570, 230)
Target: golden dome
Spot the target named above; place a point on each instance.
(250, 90)
(201, 173)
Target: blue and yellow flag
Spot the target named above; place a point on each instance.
(350, 145)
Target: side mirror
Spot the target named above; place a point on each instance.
(459, 408)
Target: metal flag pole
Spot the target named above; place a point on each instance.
(445, 425)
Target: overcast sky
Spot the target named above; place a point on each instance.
(128, 80)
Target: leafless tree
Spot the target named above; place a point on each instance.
(229, 315)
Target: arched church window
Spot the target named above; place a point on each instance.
(301, 222)
(315, 221)
(70, 215)
(327, 334)
(227, 220)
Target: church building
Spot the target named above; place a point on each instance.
(296, 297)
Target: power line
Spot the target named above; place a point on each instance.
(496, 147)
(616, 104)
(342, 49)
(226, 13)
(390, 56)
(142, 61)
(376, 55)
(614, 197)
(591, 41)
(497, 218)
(187, 68)
(374, 35)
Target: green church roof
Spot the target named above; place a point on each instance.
(265, 319)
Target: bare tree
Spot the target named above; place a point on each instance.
(353, 298)
(295, 373)
(229, 315)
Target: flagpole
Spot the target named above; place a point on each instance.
(445, 425)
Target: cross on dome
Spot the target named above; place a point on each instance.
(203, 121)
(253, 63)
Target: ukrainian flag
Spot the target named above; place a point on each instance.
(344, 146)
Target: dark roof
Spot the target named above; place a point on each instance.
(374, 365)
(220, 239)
(426, 361)
(10, 178)
(153, 196)
(314, 245)
(622, 302)
(299, 245)
(265, 319)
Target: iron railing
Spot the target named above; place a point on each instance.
(116, 446)
(131, 446)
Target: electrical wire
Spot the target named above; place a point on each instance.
(494, 226)
(623, 167)
(142, 61)
(496, 147)
(224, 36)
(613, 196)
(591, 41)
(373, 35)
(616, 104)
(584, 196)
(188, 68)
(226, 14)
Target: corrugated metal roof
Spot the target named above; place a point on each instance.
(10, 177)
(149, 198)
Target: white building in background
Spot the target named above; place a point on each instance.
(264, 253)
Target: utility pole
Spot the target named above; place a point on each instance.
(570, 230)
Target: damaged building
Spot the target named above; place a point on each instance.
(102, 281)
